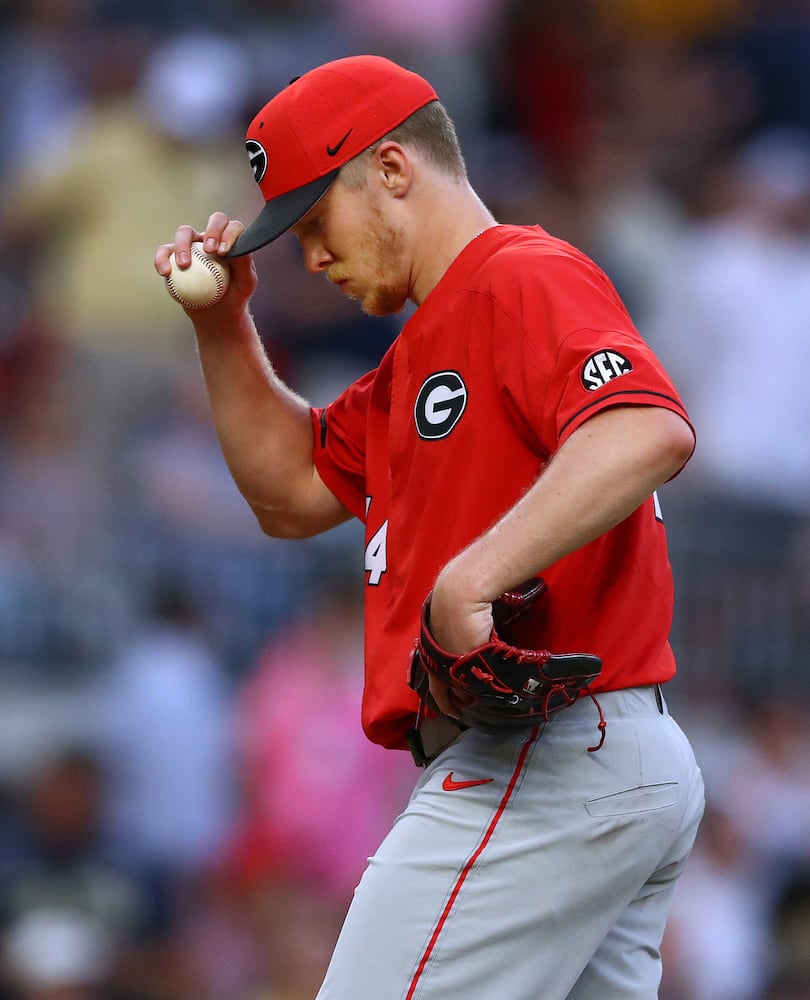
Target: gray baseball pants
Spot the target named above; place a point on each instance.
(550, 881)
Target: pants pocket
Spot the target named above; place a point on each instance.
(644, 798)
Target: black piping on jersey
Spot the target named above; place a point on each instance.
(323, 428)
(623, 392)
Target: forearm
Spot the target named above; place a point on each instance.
(264, 430)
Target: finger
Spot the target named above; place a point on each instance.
(220, 240)
(442, 696)
(460, 699)
(446, 707)
(162, 254)
(220, 233)
(184, 237)
(232, 231)
(212, 234)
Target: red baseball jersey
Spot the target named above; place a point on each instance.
(521, 341)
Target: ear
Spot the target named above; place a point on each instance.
(394, 168)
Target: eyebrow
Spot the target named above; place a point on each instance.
(309, 223)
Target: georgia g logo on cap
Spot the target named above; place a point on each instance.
(257, 157)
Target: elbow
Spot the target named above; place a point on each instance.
(298, 523)
(677, 444)
(277, 525)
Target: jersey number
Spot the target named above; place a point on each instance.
(376, 555)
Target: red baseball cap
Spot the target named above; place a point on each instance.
(299, 141)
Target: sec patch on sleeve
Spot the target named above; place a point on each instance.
(602, 367)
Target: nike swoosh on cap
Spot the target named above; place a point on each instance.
(451, 785)
(334, 150)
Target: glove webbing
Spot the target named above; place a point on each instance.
(419, 681)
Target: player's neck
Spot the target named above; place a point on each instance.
(454, 216)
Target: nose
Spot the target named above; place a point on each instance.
(316, 257)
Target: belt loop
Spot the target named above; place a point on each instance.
(414, 736)
(659, 698)
(418, 681)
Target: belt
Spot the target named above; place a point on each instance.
(622, 703)
(433, 734)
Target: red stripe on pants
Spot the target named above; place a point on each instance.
(465, 871)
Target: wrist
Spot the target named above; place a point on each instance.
(224, 321)
(473, 577)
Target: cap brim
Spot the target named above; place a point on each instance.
(280, 214)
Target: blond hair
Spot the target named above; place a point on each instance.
(429, 131)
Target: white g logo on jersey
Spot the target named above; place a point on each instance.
(439, 405)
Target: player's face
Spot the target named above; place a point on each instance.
(351, 236)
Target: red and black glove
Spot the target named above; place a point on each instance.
(505, 686)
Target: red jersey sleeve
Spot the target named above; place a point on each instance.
(581, 353)
(339, 435)
(599, 369)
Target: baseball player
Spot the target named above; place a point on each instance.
(504, 457)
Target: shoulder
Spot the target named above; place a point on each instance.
(529, 273)
(532, 243)
(528, 254)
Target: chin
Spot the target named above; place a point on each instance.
(383, 303)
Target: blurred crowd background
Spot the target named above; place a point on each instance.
(186, 797)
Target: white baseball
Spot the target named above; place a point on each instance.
(202, 283)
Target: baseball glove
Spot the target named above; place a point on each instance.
(509, 686)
